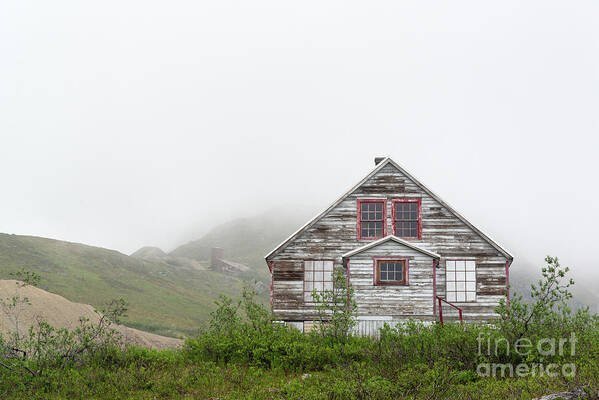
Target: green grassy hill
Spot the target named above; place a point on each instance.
(166, 299)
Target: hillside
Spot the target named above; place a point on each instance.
(163, 298)
(62, 313)
(245, 240)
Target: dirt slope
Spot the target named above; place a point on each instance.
(62, 313)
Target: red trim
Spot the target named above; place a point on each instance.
(347, 285)
(408, 200)
(441, 301)
(271, 283)
(434, 286)
(406, 272)
(359, 217)
(507, 282)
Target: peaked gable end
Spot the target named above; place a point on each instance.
(386, 179)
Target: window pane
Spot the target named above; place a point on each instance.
(460, 276)
(308, 265)
(460, 286)
(318, 276)
(308, 276)
(364, 227)
(319, 286)
(378, 228)
(450, 286)
(364, 208)
(398, 275)
(470, 276)
(450, 277)
(460, 265)
(470, 265)
(460, 296)
(327, 276)
(470, 296)
(450, 265)
(328, 286)
(308, 286)
(471, 286)
(451, 296)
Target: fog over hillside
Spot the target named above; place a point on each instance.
(136, 124)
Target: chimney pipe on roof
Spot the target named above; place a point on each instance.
(377, 160)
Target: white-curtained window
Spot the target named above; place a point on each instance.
(317, 275)
(460, 280)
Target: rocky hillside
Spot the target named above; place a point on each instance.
(62, 313)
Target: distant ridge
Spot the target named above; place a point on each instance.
(245, 240)
(149, 253)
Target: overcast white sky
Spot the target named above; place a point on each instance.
(131, 123)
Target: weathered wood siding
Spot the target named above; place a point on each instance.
(396, 301)
(335, 234)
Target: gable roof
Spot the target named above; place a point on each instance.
(380, 166)
(394, 239)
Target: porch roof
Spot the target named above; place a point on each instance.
(394, 239)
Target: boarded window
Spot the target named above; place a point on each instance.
(406, 218)
(371, 218)
(391, 272)
(317, 275)
(460, 278)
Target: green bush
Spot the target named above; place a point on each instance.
(243, 355)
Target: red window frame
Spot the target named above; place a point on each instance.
(376, 271)
(417, 200)
(384, 221)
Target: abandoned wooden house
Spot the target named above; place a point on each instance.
(406, 253)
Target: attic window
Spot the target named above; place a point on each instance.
(317, 275)
(391, 272)
(407, 221)
(371, 218)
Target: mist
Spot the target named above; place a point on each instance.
(125, 124)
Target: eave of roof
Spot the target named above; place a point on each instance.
(380, 166)
(393, 239)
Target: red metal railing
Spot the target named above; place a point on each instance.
(441, 301)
